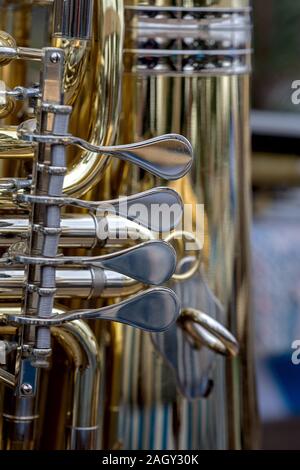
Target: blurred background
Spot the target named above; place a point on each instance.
(275, 125)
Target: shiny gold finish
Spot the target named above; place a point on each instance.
(6, 40)
(98, 61)
(212, 110)
(6, 108)
(12, 147)
(101, 104)
(81, 429)
(182, 235)
(95, 114)
(108, 387)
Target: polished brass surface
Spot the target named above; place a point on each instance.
(134, 70)
(223, 341)
(211, 108)
(101, 103)
(6, 41)
(104, 52)
(215, 111)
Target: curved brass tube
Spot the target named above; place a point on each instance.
(92, 87)
(94, 92)
(84, 431)
(20, 416)
(203, 329)
(81, 231)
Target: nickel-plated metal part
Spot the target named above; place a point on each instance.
(10, 185)
(9, 50)
(44, 220)
(9, 97)
(83, 427)
(159, 209)
(154, 310)
(73, 282)
(197, 324)
(168, 156)
(23, 93)
(151, 263)
(81, 231)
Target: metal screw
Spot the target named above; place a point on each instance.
(26, 389)
(55, 57)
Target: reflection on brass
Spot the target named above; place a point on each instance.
(11, 147)
(90, 356)
(206, 98)
(7, 41)
(219, 339)
(7, 108)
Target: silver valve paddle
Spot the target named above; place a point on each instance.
(168, 156)
(151, 263)
(154, 310)
(158, 209)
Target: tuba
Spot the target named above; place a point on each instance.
(125, 316)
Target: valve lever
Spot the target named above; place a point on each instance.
(151, 263)
(154, 310)
(144, 208)
(168, 156)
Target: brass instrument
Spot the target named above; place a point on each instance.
(124, 195)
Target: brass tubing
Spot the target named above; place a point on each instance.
(98, 62)
(68, 358)
(20, 414)
(92, 80)
(208, 102)
(19, 422)
(84, 283)
(79, 231)
(101, 101)
(84, 429)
